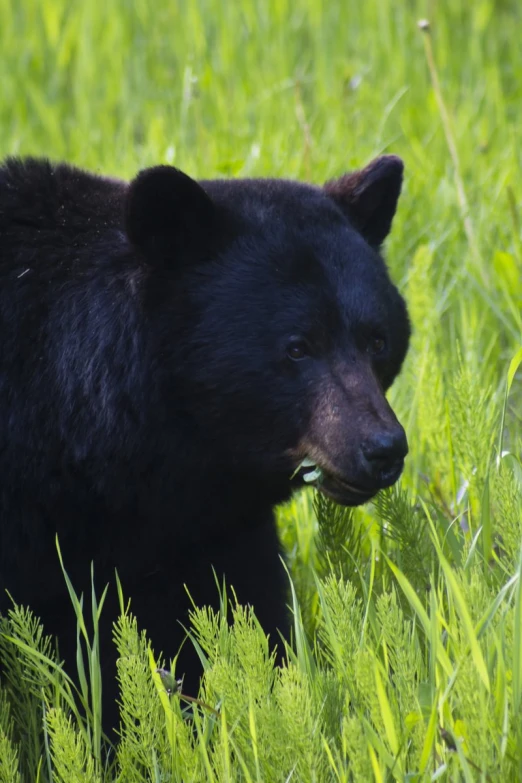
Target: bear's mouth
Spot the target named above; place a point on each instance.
(333, 486)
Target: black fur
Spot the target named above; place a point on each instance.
(149, 412)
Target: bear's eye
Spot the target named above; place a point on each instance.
(297, 349)
(376, 345)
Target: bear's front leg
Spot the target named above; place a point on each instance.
(250, 561)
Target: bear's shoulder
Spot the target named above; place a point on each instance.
(38, 194)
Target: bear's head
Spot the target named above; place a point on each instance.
(280, 328)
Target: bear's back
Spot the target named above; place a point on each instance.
(47, 210)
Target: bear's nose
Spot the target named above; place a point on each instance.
(384, 455)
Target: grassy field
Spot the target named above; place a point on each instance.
(407, 657)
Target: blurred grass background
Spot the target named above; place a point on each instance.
(408, 665)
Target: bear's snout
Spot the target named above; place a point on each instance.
(382, 456)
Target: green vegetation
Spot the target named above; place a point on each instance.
(407, 657)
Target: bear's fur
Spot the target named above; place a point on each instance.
(171, 351)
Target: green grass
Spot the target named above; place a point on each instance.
(407, 657)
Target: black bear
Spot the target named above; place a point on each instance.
(171, 352)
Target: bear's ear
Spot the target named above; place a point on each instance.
(369, 197)
(168, 216)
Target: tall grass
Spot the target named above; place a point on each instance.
(406, 662)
